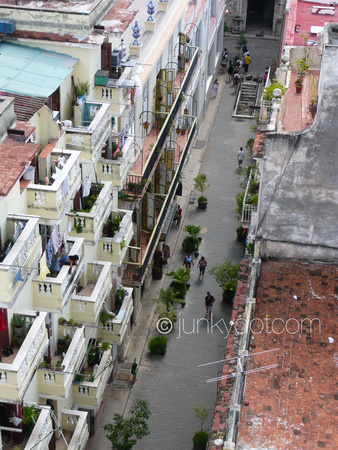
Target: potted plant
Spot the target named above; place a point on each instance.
(191, 243)
(105, 346)
(201, 185)
(299, 85)
(226, 275)
(93, 356)
(185, 111)
(201, 437)
(78, 378)
(19, 323)
(313, 105)
(179, 285)
(146, 125)
(30, 416)
(158, 345)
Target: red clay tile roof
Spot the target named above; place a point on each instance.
(14, 158)
(96, 37)
(25, 107)
(259, 144)
(293, 406)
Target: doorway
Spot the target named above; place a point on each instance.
(260, 14)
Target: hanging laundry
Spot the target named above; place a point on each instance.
(18, 230)
(44, 271)
(55, 239)
(18, 276)
(49, 252)
(86, 185)
(2, 321)
(55, 265)
(60, 175)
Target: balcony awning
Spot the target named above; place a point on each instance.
(169, 220)
(32, 71)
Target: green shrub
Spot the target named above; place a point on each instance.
(268, 92)
(239, 232)
(158, 345)
(30, 416)
(250, 248)
(201, 438)
(168, 314)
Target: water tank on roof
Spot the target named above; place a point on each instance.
(116, 57)
(7, 26)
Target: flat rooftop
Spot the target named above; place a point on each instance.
(294, 405)
(55, 5)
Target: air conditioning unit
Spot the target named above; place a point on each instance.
(116, 57)
(7, 26)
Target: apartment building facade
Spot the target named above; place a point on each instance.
(97, 121)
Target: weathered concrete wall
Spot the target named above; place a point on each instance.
(298, 212)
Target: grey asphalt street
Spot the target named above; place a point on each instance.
(174, 383)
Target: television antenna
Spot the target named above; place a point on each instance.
(242, 360)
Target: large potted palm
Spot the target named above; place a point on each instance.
(201, 185)
(191, 243)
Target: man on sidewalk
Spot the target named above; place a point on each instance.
(247, 61)
(240, 157)
(208, 302)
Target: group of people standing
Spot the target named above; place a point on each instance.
(234, 67)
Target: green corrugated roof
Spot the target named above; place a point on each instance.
(32, 71)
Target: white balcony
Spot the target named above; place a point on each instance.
(42, 432)
(53, 294)
(87, 303)
(116, 170)
(22, 256)
(89, 224)
(51, 202)
(74, 424)
(88, 394)
(91, 131)
(113, 331)
(57, 383)
(114, 248)
(15, 377)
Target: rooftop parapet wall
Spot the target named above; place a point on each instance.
(298, 202)
(66, 18)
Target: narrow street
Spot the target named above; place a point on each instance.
(174, 383)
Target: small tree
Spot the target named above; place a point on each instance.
(226, 275)
(201, 185)
(191, 243)
(168, 297)
(241, 41)
(179, 284)
(124, 433)
(201, 412)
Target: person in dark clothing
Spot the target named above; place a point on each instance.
(230, 73)
(208, 302)
(69, 260)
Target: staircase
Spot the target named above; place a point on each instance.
(246, 99)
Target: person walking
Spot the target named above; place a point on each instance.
(224, 65)
(247, 61)
(236, 79)
(188, 262)
(240, 157)
(215, 87)
(178, 216)
(230, 72)
(208, 302)
(202, 264)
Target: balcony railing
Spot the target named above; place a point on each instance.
(249, 208)
(113, 331)
(89, 139)
(134, 273)
(53, 294)
(113, 249)
(58, 382)
(89, 224)
(16, 377)
(117, 170)
(157, 150)
(75, 423)
(87, 304)
(51, 202)
(16, 266)
(42, 431)
(89, 394)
